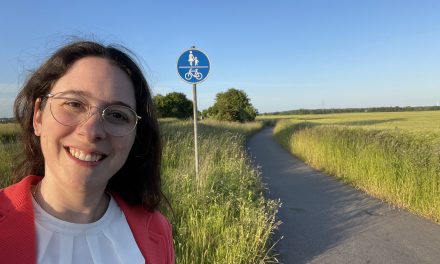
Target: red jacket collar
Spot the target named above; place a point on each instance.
(151, 230)
(17, 236)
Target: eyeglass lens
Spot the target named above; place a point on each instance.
(72, 109)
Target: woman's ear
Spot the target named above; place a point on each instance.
(37, 117)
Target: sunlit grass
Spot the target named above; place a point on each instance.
(224, 218)
(411, 121)
(9, 148)
(8, 132)
(7, 153)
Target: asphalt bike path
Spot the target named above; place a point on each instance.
(326, 221)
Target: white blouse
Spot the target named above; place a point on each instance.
(108, 240)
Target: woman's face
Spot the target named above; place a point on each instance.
(86, 156)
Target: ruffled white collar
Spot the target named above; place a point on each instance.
(108, 240)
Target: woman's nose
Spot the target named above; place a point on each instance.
(92, 127)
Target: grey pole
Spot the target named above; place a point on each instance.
(196, 152)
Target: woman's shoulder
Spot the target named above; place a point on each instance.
(138, 215)
(158, 243)
(18, 192)
(158, 220)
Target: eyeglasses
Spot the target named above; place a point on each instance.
(72, 109)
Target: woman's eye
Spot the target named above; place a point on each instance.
(119, 116)
(116, 116)
(75, 105)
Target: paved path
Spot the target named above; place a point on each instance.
(325, 221)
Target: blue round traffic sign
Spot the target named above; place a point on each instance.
(193, 66)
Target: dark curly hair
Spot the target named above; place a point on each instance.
(138, 181)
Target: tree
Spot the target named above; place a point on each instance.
(232, 105)
(173, 105)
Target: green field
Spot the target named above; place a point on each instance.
(393, 156)
(423, 121)
(222, 219)
(8, 151)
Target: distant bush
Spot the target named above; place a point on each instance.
(173, 105)
(232, 105)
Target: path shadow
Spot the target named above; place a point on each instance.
(318, 212)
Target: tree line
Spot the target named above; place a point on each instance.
(232, 105)
(355, 110)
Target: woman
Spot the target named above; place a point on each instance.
(92, 141)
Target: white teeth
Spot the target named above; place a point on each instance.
(84, 156)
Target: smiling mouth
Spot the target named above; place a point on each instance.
(83, 156)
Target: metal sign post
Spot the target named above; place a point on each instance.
(196, 146)
(193, 67)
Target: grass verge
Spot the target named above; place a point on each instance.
(224, 218)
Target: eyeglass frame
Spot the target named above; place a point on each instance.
(89, 113)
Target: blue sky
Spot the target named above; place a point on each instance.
(284, 54)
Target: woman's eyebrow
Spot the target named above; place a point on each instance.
(87, 94)
(119, 103)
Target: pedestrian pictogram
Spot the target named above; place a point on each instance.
(193, 66)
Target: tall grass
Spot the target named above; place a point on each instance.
(7, 153)
(225, 219)
(8, 132)
(9, 148)
(398, 165)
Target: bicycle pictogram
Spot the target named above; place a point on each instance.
(193, 73)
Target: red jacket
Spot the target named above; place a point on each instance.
(151, 230)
